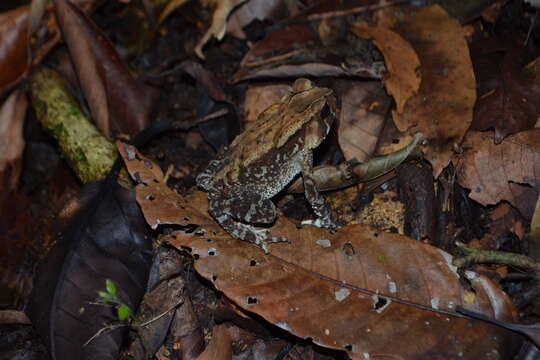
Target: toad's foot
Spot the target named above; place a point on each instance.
(262, 240)
(321, 222)
(249, 233)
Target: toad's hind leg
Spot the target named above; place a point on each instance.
(316, 200)
(243, 231)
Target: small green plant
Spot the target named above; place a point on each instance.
(109, 297)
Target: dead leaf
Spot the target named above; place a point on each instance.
(105, 239)
(508, 96)
(443, 107)
(364, 106)
(221, 10)
(13, 45)
(220, 347)
(373, 305)
(117, 101)
(508, 171)
(402, 63)
(295, 51)
(12, 115)
(249, 11)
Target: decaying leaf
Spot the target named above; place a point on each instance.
(442, 108)
(508, 171)
(13, 45)
(402, 63)
(117, 101)
(105, 239)
(347, 290)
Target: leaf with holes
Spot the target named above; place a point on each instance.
(368, 293)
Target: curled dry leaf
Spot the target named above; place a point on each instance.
(13, 45)
(249, 11)
(12, 114)
(509, 171)
(402, 63)
(295, 51)
(351, 290)
(442, 108)
(117, 101)
(222, 9)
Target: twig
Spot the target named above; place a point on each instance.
(162, 314)
(477, 256)
(184, 125)
(102, 330)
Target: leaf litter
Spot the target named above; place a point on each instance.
(357, 275)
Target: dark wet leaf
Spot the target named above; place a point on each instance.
(13, 45)
(118, 102)
(508, 97)
(105, 239)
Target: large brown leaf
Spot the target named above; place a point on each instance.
(117, 101)
(13, 45)
(372, 294)
(509, 171)
(443, 106)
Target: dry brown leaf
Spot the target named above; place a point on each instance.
(12, 114)
(359, 290)
(364, 106)
(402, 63)
(222, 9)
(509, 171)
(13, 45)
(117, 101)
(220, 347)
(443, 107)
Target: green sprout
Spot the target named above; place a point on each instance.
(123, 312)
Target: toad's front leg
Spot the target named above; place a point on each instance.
(224, 211)
(316, 200)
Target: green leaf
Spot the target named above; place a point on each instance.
(123, 312)
(111, 287)
(104, 296)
